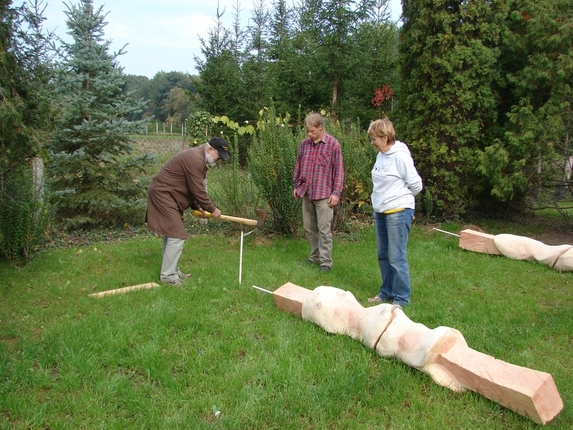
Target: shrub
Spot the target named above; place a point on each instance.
(271, 162)
(199, 126)
(24, 215)
(235, 192)
(359, 158)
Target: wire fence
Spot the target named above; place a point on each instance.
(160, 144)
(166, 128)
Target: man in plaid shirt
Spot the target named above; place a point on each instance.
(318, 179)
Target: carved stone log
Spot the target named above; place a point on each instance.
(525, 248)
(441, 352)
(559, 257)
(565, 261)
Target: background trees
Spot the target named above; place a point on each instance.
(170, 95)
(305, 57)
(481, 91)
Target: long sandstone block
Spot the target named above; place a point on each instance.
(440, 352)
(478, 242)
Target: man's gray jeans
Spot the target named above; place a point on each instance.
(172, 250)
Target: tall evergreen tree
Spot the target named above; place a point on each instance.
(255, 67)
(220, 86)
(25, 123)
(536, 109)
(315, 87)
(92, 169)
(281, 75)
(292, 69)
(338, 23)
(374, 67)
(450, 51)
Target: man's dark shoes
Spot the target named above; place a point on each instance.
(324, 268)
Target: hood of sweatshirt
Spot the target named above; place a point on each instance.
(398, 147)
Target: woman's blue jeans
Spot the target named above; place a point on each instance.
(392, 232)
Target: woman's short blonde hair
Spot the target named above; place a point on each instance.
(382, 127)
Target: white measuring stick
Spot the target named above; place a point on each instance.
(262, 289)
(241, 255)
(447, 232)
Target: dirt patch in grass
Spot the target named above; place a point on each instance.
(555, 237)
(540, 229)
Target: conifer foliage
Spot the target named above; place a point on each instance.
(450, 50)
(26, 115)
(94, 173)
(305, 56)
(486, 101)
(17, 108)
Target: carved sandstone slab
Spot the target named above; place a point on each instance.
(290, 298)
(441, 352)
(528, 392)
(478, 242)
(525, 248)
(559, 257)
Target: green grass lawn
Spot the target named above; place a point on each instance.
(173, 357)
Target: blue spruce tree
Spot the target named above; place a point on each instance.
(95, 175)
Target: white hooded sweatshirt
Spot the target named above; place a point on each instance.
(395, 179)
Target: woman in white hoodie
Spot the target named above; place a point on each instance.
(395, 183)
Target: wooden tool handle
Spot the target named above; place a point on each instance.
(124, 290)
(239, 220)
(228, 218)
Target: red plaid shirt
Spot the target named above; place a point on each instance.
(318, 170)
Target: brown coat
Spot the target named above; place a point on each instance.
(180, 184)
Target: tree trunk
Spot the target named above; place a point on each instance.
(334, 96)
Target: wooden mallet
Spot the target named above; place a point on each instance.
(259, 222)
